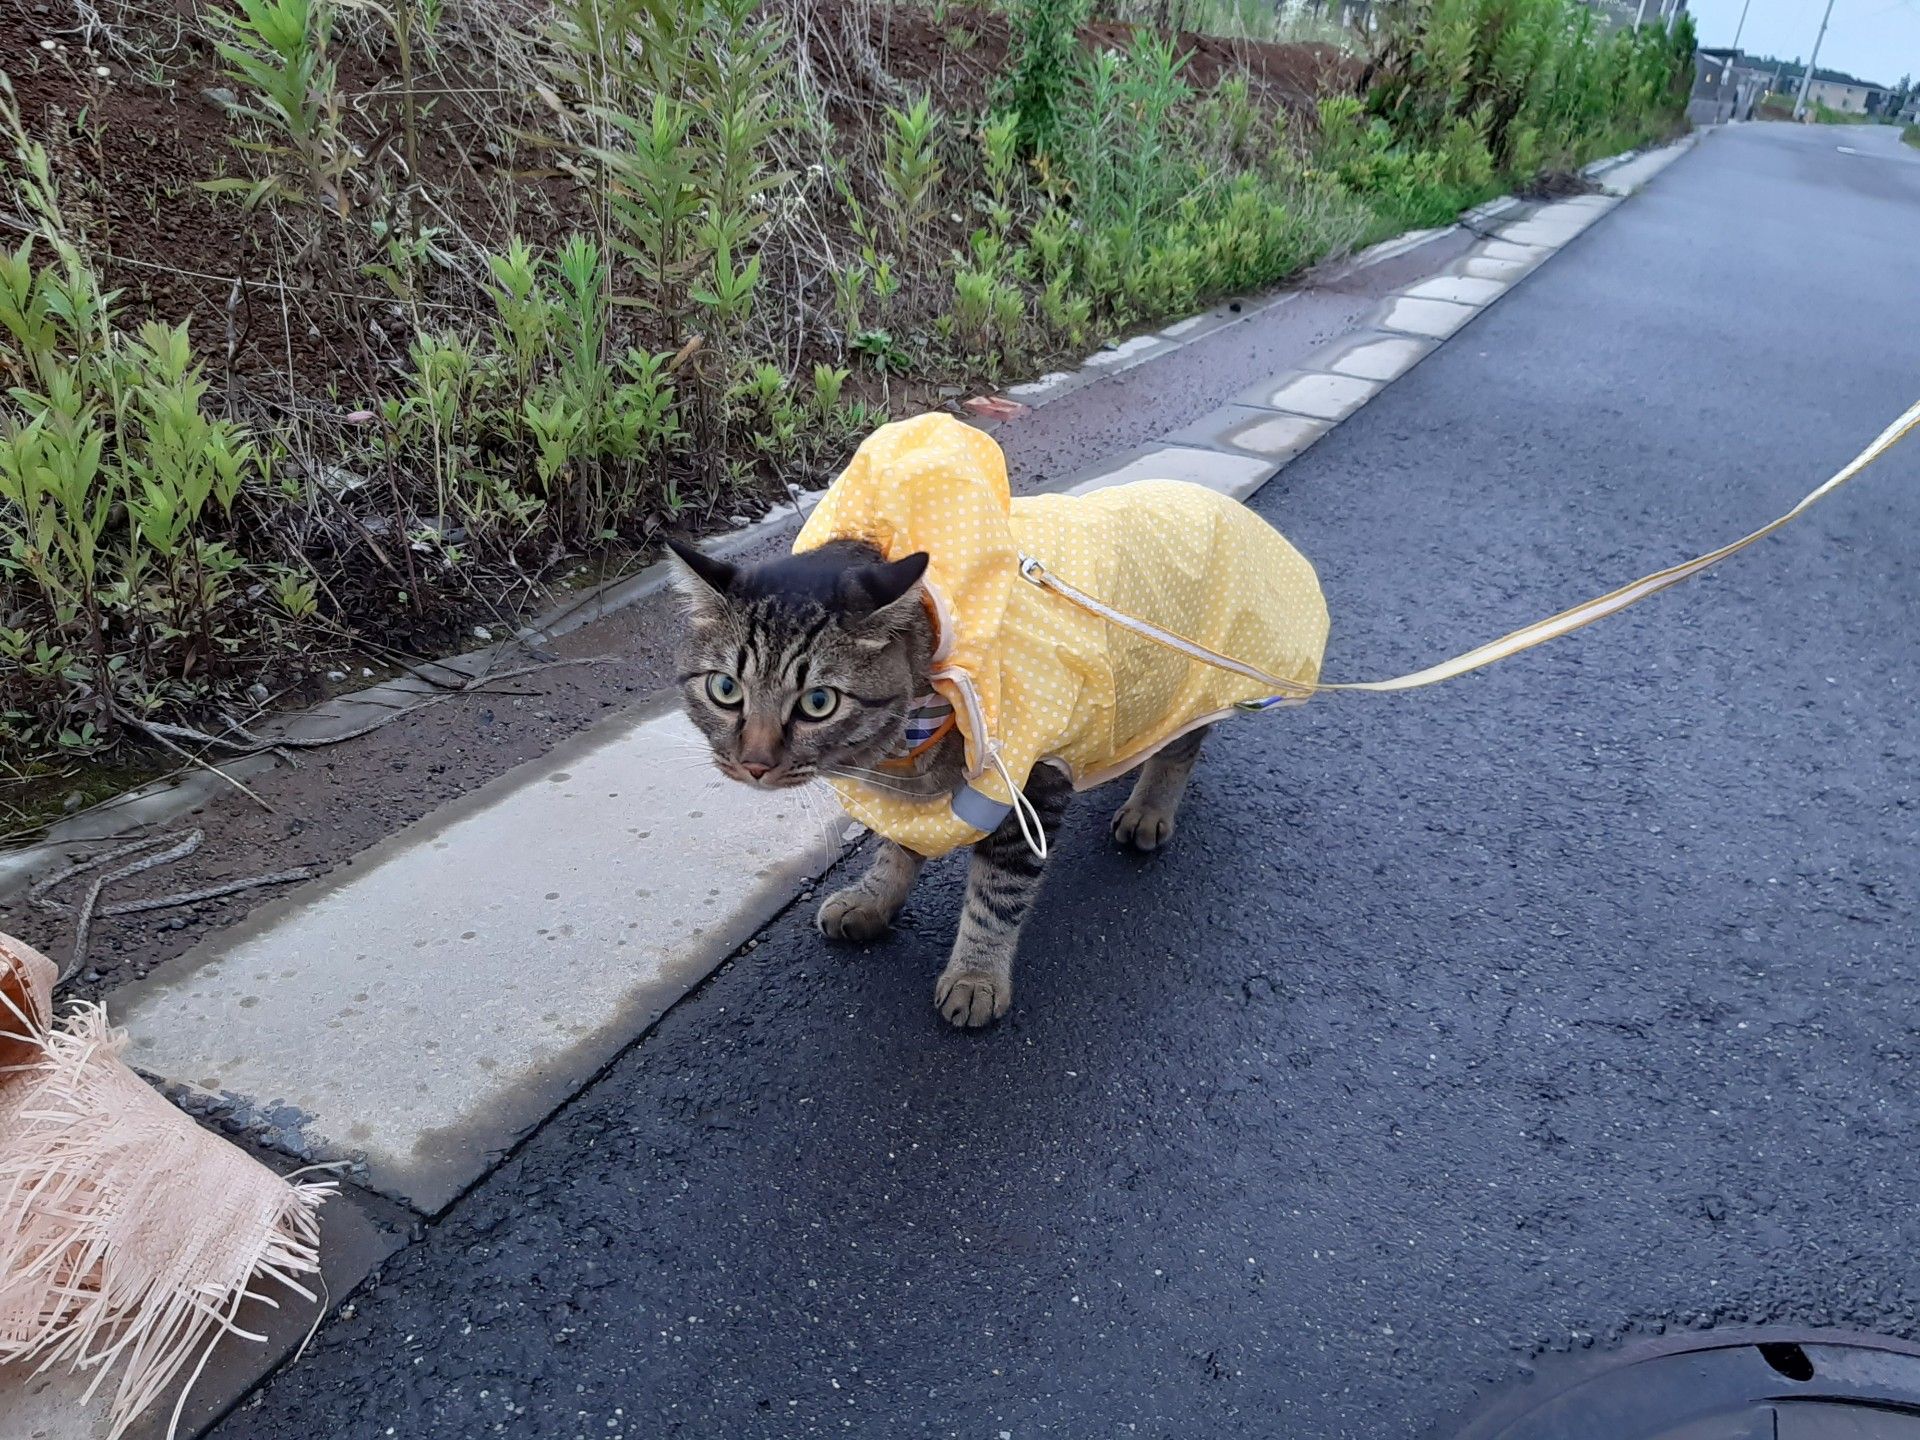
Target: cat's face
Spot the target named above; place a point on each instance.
(804, 666)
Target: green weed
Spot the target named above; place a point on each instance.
(277, 54)
(911, 168)
(118, 488)
(1042, 67)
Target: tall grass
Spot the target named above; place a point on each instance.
(1539, 82)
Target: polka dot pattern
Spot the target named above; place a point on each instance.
(1034, 675)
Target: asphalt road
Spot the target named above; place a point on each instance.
(1570, 1000)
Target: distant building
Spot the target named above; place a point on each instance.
(1723, 88)
(1761, 78)
(1855, 98)
(1888, 106)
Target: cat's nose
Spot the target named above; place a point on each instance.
(753, 769)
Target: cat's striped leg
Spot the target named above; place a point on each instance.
(1002, 881)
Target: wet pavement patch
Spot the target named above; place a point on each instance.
(1773, 1384)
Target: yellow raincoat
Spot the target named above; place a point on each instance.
(1032, 678)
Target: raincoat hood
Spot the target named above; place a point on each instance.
(937, 485)
(1031, 678)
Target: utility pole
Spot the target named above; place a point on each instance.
(1741, 26)
(1806, 79)
(1641, 16)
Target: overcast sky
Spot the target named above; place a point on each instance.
(1878, 40)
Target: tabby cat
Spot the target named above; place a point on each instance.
(815, 665)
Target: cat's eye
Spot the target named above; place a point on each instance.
(723, 689)
(819, 702)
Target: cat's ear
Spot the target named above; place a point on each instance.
(703, 579)
(884, 598)
(866, 590)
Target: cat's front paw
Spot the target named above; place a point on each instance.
(972, 998)
(852, 914)
(1144, 827)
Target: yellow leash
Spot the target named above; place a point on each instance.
(1525, 638)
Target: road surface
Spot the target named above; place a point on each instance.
(1567, 1001)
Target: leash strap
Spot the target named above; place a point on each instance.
(1294, 692)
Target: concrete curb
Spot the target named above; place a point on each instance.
(337, 1029)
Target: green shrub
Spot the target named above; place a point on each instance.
(1539, 80)
(277, 54)
(911, 168)
(1404, 186)
(118, 493)
(581, 433)
(686, 104)
(1041, 67)
(1163, 197)
(1825, 114)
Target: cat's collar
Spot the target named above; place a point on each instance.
(930, 720)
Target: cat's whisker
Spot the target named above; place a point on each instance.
(802, 796)
(863, 774)
(690, 766)
(876, 777)
(833, 819)
(812, 800)
(878, 783)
